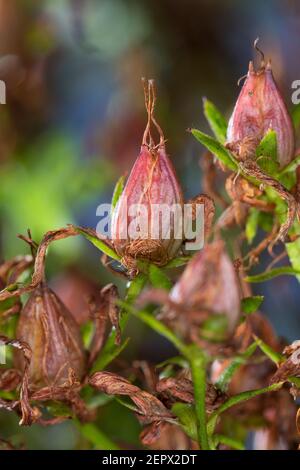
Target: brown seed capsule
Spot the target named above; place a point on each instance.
(209, 283)
(49, 329)
(260, 107)
(151, 183)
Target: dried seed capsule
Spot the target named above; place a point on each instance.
(139, 230)
(260, 107)
(49, 329)
(209, 283)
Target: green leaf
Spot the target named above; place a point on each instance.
(268, 146)
(100, 244)
(59, 409)
(235, 400)
(198, 369)
(158, 278)
(251, 225)
(251, 304)
(296, 116)
(267, 275)
(216, 149)
(96, 437)
(124, 401)
(187, 418)
(176, 360)
(215, 328)
(118, 191)
(159, 327)
(135, 288)
(228, 441)
(293, 251)
(266, 152)
(109, 353)
(100, 399)
(227, 374)
(273, 355)
(216, 120)
(291, 167)
(177, 262)
(87, 332)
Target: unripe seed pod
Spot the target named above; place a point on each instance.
(260, 107)
(209, 283)
(152, 182)
(49, 329)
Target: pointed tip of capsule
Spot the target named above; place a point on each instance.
(251, 67)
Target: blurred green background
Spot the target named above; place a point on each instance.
(74, 120)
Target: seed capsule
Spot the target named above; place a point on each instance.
(260, 107)
(49, 329)
(209, 283)
(144, 233)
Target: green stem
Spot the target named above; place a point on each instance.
(197, 362)
(198, 368)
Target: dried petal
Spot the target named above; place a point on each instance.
(260, 107)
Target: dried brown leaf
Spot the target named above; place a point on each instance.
(251, 168)
(9, 379)
(150, 407)
(291, 366)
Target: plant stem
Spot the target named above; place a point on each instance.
(198, 362)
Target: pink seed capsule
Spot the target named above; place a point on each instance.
(139, 229)
(260, 107)
(209, 282)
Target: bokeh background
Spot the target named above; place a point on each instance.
(73, 124)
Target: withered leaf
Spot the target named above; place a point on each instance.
(39, 265)
(148, 405)
(252, 169)
(9, 379)
(181, 389)
(291, 366)
(152, 432)
(29, 414)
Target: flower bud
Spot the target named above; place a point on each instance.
(49, 329)
(259, 108)
(139, 228)
(209, 283)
